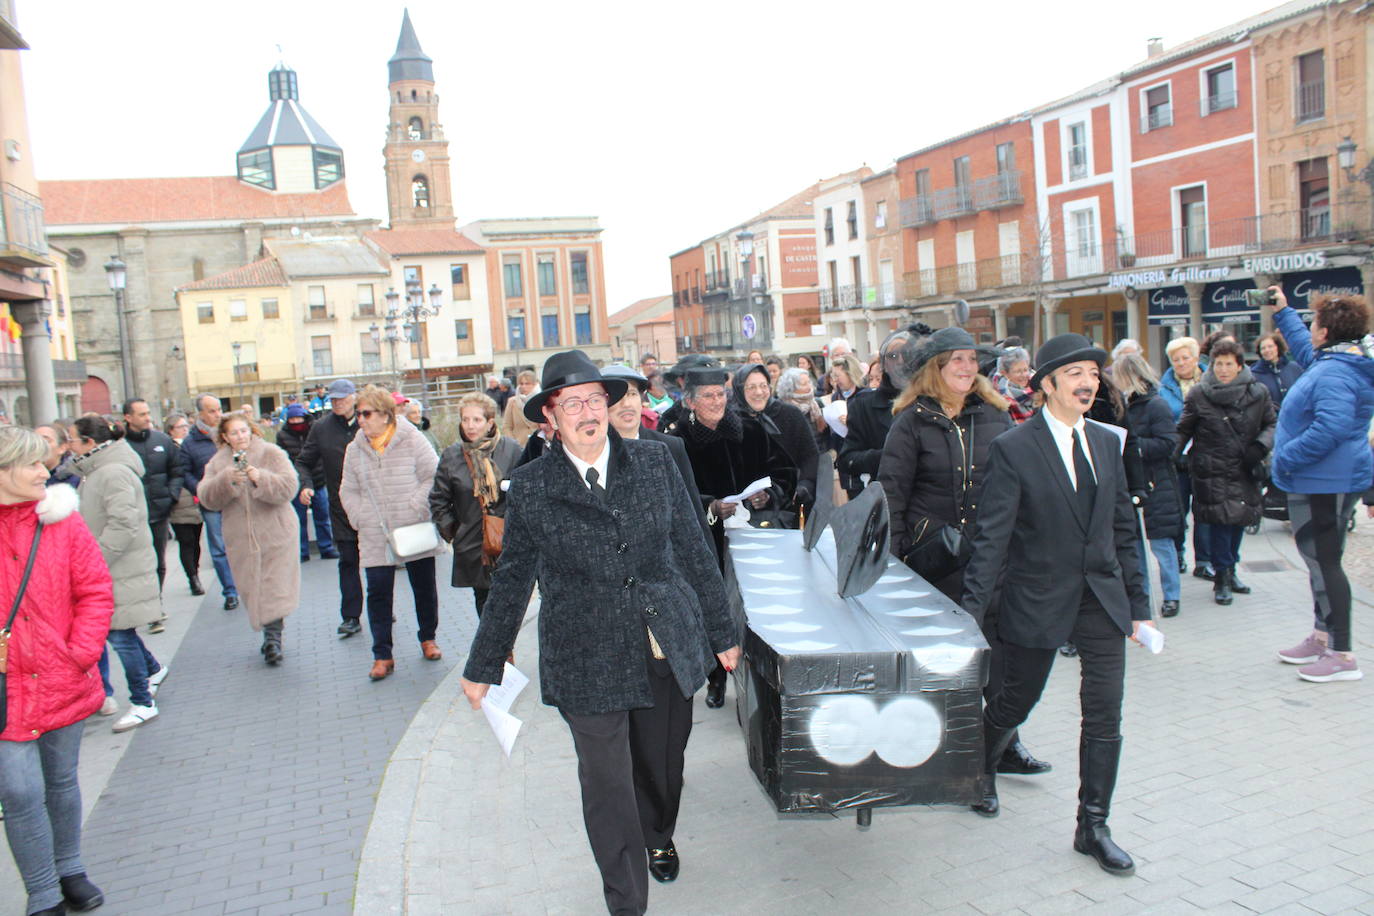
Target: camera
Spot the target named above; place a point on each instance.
(240, 461)
(1260, 297)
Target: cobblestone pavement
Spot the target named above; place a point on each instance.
(1242, 790)
(253, 790)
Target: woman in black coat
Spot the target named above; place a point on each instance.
(870, 413)
(784, 423)
(932, 472)
(1152, 429)
(454, 501)
(1229, 418)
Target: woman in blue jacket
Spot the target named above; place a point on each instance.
(1323, 461)
(1274, 369)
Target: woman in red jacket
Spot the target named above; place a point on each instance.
(51, 680)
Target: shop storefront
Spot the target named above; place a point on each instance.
(1225, 307)
(1304, 287)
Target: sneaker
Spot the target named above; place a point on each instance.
(1332, 666)
(350, 627)
(109, 707)
(155, 680)
(1304, 653)
(135, 717)
(157, 626)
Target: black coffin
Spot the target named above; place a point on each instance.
(852, 702)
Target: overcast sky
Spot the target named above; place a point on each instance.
(668, 127)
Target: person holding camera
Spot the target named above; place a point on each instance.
(1229, 420)
(1322, 459)
(251, 483)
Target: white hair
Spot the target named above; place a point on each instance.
(1011, 357)
(839, 343)
(1124, 346)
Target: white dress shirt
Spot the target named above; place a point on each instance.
(602, 461)
(1063, 438)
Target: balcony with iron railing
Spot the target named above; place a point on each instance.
(743, 286)
(717, 281)
(1157, 117)
(1231, 238)
(1211, 104)
(1311, 101)
(991, 193)
(23, 236)
(844, 297)
(969, 277)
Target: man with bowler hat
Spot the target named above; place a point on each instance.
(628, 626)
(1056, 526)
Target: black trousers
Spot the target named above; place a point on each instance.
(1102, 652)
(350, 579)
(629, 764)
(160, 530)
(188, 547)
(381, 586)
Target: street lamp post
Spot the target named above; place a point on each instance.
(1345, 157)
(391, 331)
(417, 312)
(238, 368)
(116, 274)
(746, 250)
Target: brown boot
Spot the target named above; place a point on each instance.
(431, 650)
(382, 668)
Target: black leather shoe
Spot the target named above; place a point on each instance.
(80, 894)
(349, 627)
(1237, 586)
(58, 910)
(271, 651)
(1168, 609)
(1221, 586)
(1182, 564)
(988, 807)
(664, 863)
(231, 602)
(305, 558)
(329, 555)
(195, 586)
(1018, 761)
(1203, 572)
(1068, 650)
(715, 694)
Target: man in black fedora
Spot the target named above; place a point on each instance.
(628, 627)
(1056, 526)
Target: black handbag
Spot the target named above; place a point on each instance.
(9, 624)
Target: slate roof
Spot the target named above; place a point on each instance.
(409, 62)
(135, 201)
(266, 272)
(286, 123)
(333, 257)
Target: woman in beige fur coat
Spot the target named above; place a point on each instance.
(253, 482)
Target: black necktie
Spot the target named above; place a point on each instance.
(597, 489)
(1087, 484)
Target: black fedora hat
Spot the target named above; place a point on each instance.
(563, 370)
(1062, 350)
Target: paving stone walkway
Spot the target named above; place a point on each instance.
(253, 790)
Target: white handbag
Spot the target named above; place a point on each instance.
(408, 540)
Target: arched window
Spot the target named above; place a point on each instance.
(414, 97)
(419, 191)
(417, 129)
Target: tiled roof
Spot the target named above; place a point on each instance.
(634, 310)
(423, 241)
(267, 272)
(135, 201)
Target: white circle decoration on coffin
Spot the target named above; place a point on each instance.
(735, 547)
(843, 729)
(774, 610)
(945, 659)
(904, 593)
(774, 590)
(759, 561)
(915, 612)
(932, 631)
(804, 645)
(791, 626)
(909, 731)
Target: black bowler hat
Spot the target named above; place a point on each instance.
(563, 370)
(628, 374)
(945, 340)
(1062, 350)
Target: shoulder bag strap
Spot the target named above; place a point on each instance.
(24, 582)
(367, 485)
(472, 471)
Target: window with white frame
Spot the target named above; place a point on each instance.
(1083, 251)
(1219, 89)
(880, 215)
(1157, 107)
(1077, 134)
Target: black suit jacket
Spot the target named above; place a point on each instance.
(1032, 538)
(684, 467)
(607, 569)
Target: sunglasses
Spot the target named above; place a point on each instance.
(365, 414)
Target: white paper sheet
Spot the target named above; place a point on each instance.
(502, 695)
(1114, 430)
(836, 413)
(757, 486)
(1151, 638)
(504, 725)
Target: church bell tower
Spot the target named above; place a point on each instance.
(418, 191)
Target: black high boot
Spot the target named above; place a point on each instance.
(1221, 585)
(1097, 763)
(996, 740)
